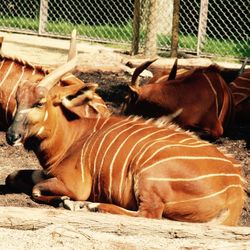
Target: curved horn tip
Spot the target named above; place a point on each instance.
(154, 59)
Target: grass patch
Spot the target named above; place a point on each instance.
(123, 34)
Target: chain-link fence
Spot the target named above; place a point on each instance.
(206, 27)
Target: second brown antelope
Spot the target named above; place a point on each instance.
(202, 95)
(240, 88)
(14, 71)
(124, 165)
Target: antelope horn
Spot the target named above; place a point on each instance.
(243, 66)
(173, 71)
(138, 70)
(51, 79)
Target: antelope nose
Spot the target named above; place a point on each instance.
(13, 138)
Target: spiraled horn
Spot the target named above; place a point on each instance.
(138, 70)
(173, 71)
(51, 79)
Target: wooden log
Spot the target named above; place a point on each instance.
(33, 228)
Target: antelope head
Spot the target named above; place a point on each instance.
(134, 101)
(35, 100)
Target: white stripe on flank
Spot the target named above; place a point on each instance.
(120, 147)
(215, 93)
(171, 146)
(127, 158)
(205, 197)
(12, 93)
(243, 78)
(195, 178)
(142, 152)
(107, 132)
(184, 158)
(238, 87)
(7, 73)
(188, 139)
(83, 152)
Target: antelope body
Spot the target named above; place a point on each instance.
(201, 93)
(124, 165)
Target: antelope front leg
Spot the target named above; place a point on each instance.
(51, 191)
(24, 180)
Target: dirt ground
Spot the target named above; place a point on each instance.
(112, 87)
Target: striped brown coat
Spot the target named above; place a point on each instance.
(125, 165)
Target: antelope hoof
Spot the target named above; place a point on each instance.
(73, 205)
(80, 205)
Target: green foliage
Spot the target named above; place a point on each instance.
(122, 34)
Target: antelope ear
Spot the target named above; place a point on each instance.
(84, 96)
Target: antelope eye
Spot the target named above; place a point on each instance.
(38, 104)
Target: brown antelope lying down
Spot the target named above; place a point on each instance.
(201, 93)
(240, 88)
(126, 165)
(13, 71)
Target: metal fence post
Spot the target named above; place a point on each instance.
(202, 25)
(175, 29)
(136, 28)
(43, 16)
(151, 35)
